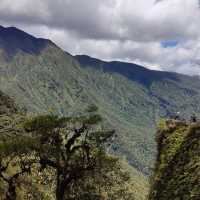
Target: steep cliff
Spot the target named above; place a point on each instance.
(177, 171)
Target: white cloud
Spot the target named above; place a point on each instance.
(115, 29)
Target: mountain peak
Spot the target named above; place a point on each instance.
(13, 40)
(13, 31)
(131, 71)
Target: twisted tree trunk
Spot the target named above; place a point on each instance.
(11, 193)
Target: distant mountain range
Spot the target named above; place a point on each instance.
(43, 78)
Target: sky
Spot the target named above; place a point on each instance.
(159, 34)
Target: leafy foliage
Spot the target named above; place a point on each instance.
(13, 152)
(69, 146)
(67, 153)
(30, 145)
(177, 168)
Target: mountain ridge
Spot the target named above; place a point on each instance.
(13, 40)
(130, 70)
(52, 80)
(12, 30)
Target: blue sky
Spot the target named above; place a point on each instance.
(169, 43)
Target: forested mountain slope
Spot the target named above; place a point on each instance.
(44, 78)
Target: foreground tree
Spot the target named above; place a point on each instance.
(108, 181)
(71, 146)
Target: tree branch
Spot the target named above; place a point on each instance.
(77, 134)
(47, 162)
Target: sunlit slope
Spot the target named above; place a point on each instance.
(177, 170)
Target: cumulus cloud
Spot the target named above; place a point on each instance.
(124, 30)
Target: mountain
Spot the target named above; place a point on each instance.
(177, 170)
(131, 71)
(13, 40)
(169, 89)
(43, 78)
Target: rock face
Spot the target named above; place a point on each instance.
(177, 171)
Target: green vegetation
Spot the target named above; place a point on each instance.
(12, 152)
(50, 157)
(70, 146)
(178, 163)
(130, 97)
(45, 79)
(55, 81)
